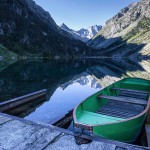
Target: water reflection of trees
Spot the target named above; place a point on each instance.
(29, 76)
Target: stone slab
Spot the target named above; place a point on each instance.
(15, 132)
(101, 146)
(66, 142)
(39, 140)
(4, 119)
(20, 134)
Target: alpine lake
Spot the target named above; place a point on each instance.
(68, 82)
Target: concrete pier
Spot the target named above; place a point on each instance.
(20, 134)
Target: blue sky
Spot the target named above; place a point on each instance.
(77, 14)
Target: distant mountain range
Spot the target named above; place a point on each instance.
(27, 29)
(82, 34)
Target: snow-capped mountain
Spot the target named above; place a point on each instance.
(83, 79)
(90, 32)
(83, 34)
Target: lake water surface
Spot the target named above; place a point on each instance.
(68, 81)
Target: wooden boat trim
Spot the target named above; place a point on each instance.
(125, 120)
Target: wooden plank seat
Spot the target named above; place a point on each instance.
(132, 95)
(124, 99)
(133, 91)
(112, 109)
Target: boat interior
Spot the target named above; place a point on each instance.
(117, 102)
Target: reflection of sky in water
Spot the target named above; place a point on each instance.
(70, 79)
(61, 102)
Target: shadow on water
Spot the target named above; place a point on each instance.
(68, 81)
(25, 77)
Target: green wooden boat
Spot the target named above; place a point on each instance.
(117, 112)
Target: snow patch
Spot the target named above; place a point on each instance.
(83, 35)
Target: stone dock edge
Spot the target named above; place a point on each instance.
(20, 134)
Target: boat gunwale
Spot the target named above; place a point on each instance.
(116, 122)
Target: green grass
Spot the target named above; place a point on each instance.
(142, 28)
(6, 57)
(6, 54)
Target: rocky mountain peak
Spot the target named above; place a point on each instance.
(128, 15)
(41, 13)
(83, 34)
(65, 27)
(93, 30)
(127, 33)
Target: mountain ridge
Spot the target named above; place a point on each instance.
(83, 34)
(114, 37)
(25, 28)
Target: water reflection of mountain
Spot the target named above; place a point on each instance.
(83, 79)
(25, 77)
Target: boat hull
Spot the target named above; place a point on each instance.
(123, 130)
(127, 131)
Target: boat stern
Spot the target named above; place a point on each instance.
(81, 128)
